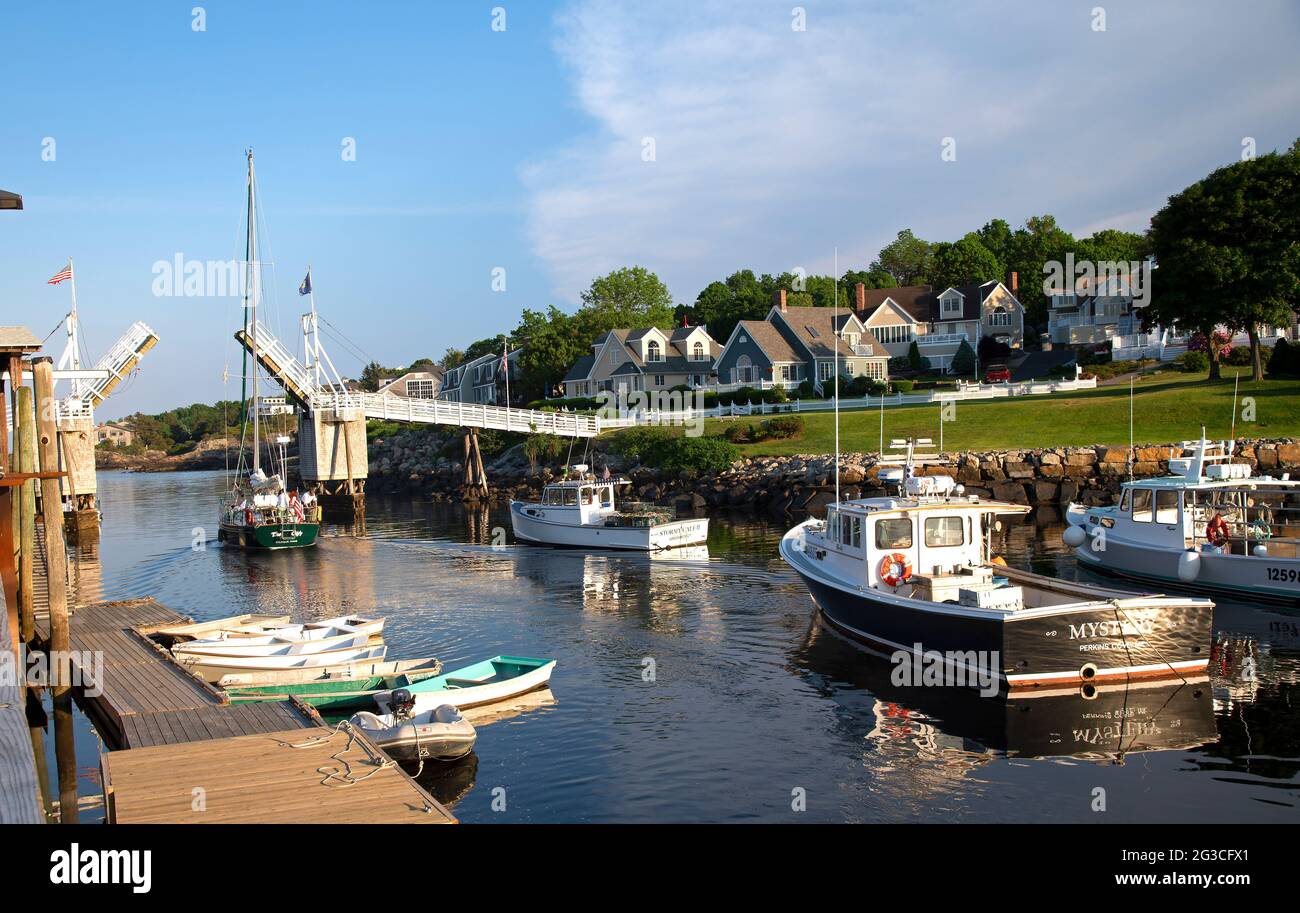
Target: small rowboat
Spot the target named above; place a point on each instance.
(212, 668)
(352, 671)
(333, 692)
(495, 679)
(232, 624)
(272, 645)
(439, 734)
(307, 630)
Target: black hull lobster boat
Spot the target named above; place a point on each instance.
(912, 575)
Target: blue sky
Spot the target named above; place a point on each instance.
(523, 149)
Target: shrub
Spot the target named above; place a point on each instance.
(915, 360)
(1238, 356)
(903, 386)
(963, 360)
(665, 449)
(807, 390)
(1194, 362)
(1284, 360)
(786, 426)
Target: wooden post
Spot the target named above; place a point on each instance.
(468, 433)
(25, 445)
(56, 561)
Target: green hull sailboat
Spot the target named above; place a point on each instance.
(259, 512)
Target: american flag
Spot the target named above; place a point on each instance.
(65, 273)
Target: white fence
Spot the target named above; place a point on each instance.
(964, 392)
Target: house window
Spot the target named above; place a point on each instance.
(697, 352)
(894, 334)
(652, 352)
(744, 372)
(942, 532)
(875, 370)
(951, 305)
(659, 380)
(419, 389)
(825, 370)
(1000, 317)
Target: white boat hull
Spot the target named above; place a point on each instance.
(270, 646)
(440, 734)
(476, 696)
(536, 528)
(212, 668)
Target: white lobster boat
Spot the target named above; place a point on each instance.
(581, 513)
(1210, 525)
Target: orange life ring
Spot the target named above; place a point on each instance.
(887, 565)
(1217, 531)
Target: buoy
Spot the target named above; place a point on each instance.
(1074, 536)
(1260, 551)
(1189, 566)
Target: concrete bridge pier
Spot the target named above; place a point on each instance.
(333, 461)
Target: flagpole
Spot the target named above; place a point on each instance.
(315, 330)
(505, 365)
(835, 312)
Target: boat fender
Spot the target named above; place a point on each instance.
(1074, 536)
(1260, 551)
(895, 569)
(1189, 566)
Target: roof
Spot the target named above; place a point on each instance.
(18, 338)
(921, 302)
(817, 328)
(581, 369)
(776, 346)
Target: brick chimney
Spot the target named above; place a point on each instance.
(1015, 282)
(779, 299)
(859, 298)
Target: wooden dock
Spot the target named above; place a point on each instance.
(147, 698)
(19, 793)
(259, 779)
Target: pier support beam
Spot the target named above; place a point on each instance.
(333, 461)
(80, 487)
(476, 483)
(56, 569)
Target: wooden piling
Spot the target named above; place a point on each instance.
(25, 444)
(56, 561)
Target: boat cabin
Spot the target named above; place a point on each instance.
(588, 500)
(863, 540)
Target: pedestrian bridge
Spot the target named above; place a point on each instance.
(304, 385)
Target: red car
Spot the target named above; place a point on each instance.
(997, 374)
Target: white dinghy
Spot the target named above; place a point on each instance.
(440, 734)
(212, 668)
(272, 645)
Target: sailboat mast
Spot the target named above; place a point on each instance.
(251, 292)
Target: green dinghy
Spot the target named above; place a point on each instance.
(333, 691)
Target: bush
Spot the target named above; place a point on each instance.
(1194, 362)
(573, 404)
(787, 426)
(664, 449)
(807, 390)
(781, 428)
(963, 360)
(1284, 360)
(903, 386)
(1238, 356)
(915, 360)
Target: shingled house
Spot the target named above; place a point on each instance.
(645, 359)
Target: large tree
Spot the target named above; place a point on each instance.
(906, 258)
(1228, 249)
(628, 297)
(964, 261)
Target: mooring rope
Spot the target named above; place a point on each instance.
(343, 773)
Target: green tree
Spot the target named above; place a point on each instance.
(628, 297)
(1031, 246)
(1229, 251)
(963, 360)
(906, 258)
(962, 262)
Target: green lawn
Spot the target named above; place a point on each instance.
(1167, 407)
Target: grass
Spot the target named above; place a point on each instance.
(1167, 407)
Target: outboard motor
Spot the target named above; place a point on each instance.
(402, 702)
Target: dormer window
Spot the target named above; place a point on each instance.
(950, 304)
(697, 352)
(652, 352)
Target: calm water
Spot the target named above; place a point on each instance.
(751, 704)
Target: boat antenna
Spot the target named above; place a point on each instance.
(835, 311)
(1236, 380)
(882, 423)
(1130, 427)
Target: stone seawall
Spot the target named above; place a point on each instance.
(795, 484)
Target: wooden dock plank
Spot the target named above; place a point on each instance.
(261, 779)
(18, 789)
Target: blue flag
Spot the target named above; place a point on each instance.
(305, 288)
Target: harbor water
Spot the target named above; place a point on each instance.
(701, 687)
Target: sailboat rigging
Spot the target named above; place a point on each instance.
(260, 512)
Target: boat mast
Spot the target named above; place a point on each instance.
(835, 312)
(250, 297)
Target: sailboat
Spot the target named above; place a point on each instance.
(258, 513)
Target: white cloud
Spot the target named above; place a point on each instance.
(772, 146)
